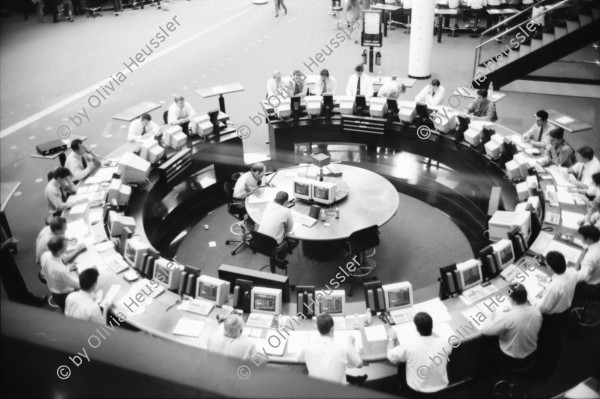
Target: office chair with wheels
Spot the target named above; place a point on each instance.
(585, 319)
(360, 242)
(236, 209)
(476, 14)
(266, 245)
(517, 371)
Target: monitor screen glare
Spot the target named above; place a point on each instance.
(321, 193)
(471, 275)
(302, 189)
(399, 297)
(331, 304)
(265, 302)
(208, 291)
(506, 255)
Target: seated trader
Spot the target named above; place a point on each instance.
(275, 87)
(517, 328)
(57, 227)
(297, 85)
(81, 162)
(231, 342)
(61, 279)
(249, 181)
(420, 351)
(538, 135)
(590, 264)
(327, 359)
(326, 84)
(392, 89)
(82, 304)
(57, 191)
(587, 164)
(592, 191)
(277, 221)
(592, 216)
(482, 109)
(180, 113)
(558, 152)
(432, 94)
(142, 129)
(359, 84)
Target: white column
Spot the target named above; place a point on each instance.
(421, 39)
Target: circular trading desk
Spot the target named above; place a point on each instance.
(370, 200)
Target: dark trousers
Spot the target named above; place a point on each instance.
(550, 343)
(13, 282)
(60, 299)
(77, 9)
(53, 5)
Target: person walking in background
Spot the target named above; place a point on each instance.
(279, 4)
(39, 7)
(353, 16)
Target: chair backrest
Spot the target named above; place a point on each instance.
(228, 188)
(62, 158)
(364, 239)
(166, 116)
(263, 244)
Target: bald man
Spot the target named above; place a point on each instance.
(231, 342)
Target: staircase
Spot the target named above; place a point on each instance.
(523, 49)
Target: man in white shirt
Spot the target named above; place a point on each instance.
(297, 85)
(277, 219)
(590, 264)
(392, 89)
(249, 181)
(231, 342)
(80, 161)
(587, 165)
(326, 84)
(275, 87)
(57, 191)
(432, 94)
(477, 4)
(359, 84)
(180, 113)
(142, 129)
(327, 359)
(424, 351)
(517, 327)
(57, 227)
(61, 279)
(538, 135)
(82, 304)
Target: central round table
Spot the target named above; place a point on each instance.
(371, 200)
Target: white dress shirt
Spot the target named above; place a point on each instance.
(517, 330)
(534, 133)
(245, 185)
(589, 169)
(558, 295)
(276, 221)
(58, 277)
(136, 130)
(41, 243)
(176, 113)
(590, 264)
(390, 90)
(53, 195)
(366, 85)
(82, 305)
(74, 163)
(274, 88)
(535, 15)
(418, 352)
(328, 88)
(477, 4)
(327, 359)
(430, 96)
(241, 347)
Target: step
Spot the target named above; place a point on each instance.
(524, 49)
(547, 38)
(536, 44)
(596, 13)
(572, 26)
(513, 55)
(559, 32)
(585, 19)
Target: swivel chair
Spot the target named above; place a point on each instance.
(236, 209)
(586, 320)
(266, 245)
(360, 242)
(476, 14)
(511, 388)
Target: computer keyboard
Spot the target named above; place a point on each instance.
(98, 233)
(117, 264)
(303, 219)
(402, 315)
(201, 307)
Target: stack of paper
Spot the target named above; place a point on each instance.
(189, 327)
(477, 293)
(260, 320)
(375, 333)
(570, 220)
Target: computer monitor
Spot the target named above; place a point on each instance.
(331, 302)
(469, 274)
(212, 289)
(167, 273)
(213, 116)
(361, 104)
(305, 300)
(135, 249)
(303, 189)
(504, 253)
(374, 297)
(118, 222)
(398, 295)
(295, 106)
(324, 192)
(461, 128)
(133, 169)
(392, 110)
(260, 279)
(493, 149)
(242, 290)
(266, 300)
(422, 110)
